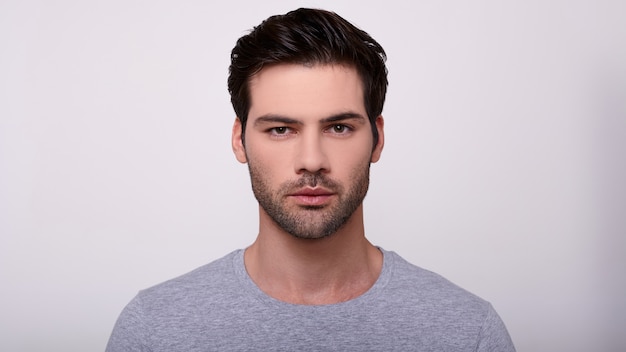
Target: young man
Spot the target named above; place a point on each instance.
(308, 89)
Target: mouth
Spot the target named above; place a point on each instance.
(312, 196)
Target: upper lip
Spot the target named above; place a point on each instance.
(311, 192)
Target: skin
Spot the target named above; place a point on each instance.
(309, 145)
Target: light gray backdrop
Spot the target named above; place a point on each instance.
(503, 170)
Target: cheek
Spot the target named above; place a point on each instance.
(268, 165)
(352, 156)
(348, 170)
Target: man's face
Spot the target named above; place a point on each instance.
(308, 145)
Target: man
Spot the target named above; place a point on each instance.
(308, 89)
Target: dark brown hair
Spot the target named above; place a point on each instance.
(308, 36)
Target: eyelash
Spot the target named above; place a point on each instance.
(275, 130)
(345, 128)
(282, 131)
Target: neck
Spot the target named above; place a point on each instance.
(328, 270)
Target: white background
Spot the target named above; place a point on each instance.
(504, 166)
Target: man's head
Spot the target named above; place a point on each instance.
(308, 89)
(308, 37)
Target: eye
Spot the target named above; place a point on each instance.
(279, 130)
(339, 129)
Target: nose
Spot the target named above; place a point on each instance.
(311, 155)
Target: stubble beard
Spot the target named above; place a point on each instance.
(310, 222)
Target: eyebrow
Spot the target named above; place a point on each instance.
(274, 118)
(345, 116)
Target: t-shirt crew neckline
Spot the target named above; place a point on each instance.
(249, 286)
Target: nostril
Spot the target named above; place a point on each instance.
(311, 156)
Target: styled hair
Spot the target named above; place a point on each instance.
(308, 37)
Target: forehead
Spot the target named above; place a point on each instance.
(301, 91)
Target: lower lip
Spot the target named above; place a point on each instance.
(312, 200)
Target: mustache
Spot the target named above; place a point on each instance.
(314, 180)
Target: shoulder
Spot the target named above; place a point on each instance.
(431, 291)
(162, 313)
(199, 284)
(448, 312)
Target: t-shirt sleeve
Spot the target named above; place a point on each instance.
(494, 336)
(129, 333)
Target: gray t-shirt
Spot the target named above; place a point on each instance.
(217, 307)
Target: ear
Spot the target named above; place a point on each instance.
(237, 143)
(378, 149)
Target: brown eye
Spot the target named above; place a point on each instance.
(280, 130)
(339, 128)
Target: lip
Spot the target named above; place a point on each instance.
(312, 196)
